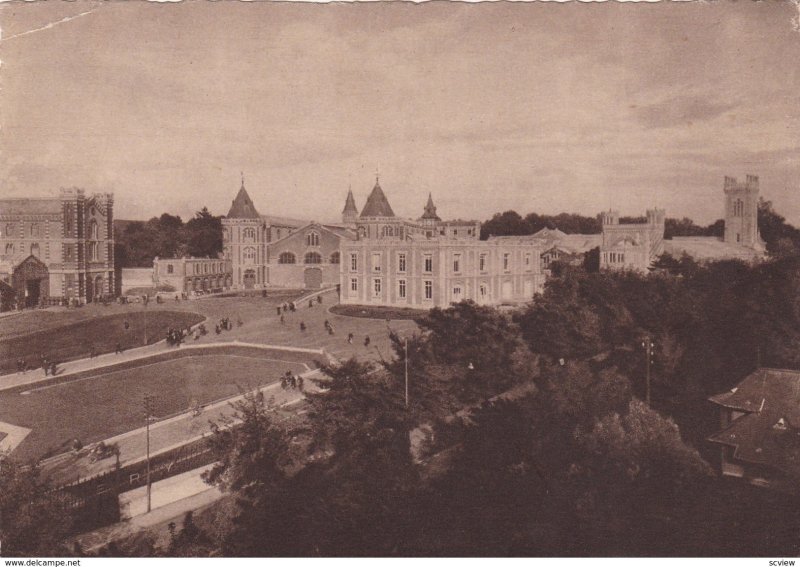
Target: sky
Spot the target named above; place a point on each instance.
(536, 107)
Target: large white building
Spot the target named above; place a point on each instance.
(432, 263)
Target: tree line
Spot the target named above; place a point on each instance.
(168, 236)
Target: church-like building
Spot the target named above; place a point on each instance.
(56, 250)
(637, 246)
(429, 262)
(265, 251)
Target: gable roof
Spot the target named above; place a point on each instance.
(377, 204)
(346, 234)
(242, 206)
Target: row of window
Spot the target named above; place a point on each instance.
(92, 250)
(309, 258)
(427, 262)
(614, 257)
(35, 230)
(377, 287)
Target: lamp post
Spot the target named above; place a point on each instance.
(148, 410)
(145, 301)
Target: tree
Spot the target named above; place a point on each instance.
(33, 521)
(504, 224)
(253, 455)
(204, 235)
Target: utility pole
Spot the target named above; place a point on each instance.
(406, 360)
(146, 299)
(148, 411)
(648, 348)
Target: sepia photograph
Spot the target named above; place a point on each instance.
(399, 280)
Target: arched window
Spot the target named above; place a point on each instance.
(249, 235)
(335, 258)
(286, 258)
(249, 255)
(93, 230)
(738, 208)
(93, 251)
(35, 249)
(34, 229)
(387, 231)
(9, 248)
(312, 239)
(170, 269)
(312, 258)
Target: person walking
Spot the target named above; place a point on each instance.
(366, 341)
(300, 383)
(302, 326)
(283, 319)
(278, 308)
(118, 349)
(349, 338)
(310, 303)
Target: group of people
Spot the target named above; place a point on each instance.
(284, 307)
(176, 336)
(226, 325)
(50, 367)
(289, 380)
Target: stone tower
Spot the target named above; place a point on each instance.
(244, 236)
(741, 211)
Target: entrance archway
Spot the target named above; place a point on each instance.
(31, 282)
(249, 279)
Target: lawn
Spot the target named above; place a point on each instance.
(98, 407)
(75, 340)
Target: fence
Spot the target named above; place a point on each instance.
(94, 502)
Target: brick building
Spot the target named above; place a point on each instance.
(54, 250)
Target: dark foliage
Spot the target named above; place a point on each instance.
(167, 236)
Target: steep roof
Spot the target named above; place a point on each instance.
(430, 210)
(350, 204)
(242, 206)
(377, 204)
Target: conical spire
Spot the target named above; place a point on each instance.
(350, 204)
(377, 204)
(242, 206)
(430, 209)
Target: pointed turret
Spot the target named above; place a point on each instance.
(430, 210)
(242, 206)
(377, 205)
(350, 211)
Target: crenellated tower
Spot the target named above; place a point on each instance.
(741, 211)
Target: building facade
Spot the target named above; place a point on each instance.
(192, 275)
(245, 235)
(265, 251)
(432, 263)
(307, 258)
(632, 246)
(58, 250)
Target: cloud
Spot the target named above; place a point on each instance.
(681, 111)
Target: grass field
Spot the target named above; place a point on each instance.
(98, 407)
(75, 340)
